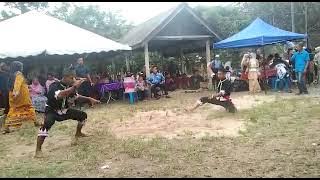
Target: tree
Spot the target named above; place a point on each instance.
(24, 7)
(226, 21)
(230, 20)
(6, 15)
(92, 18)
(20, 8)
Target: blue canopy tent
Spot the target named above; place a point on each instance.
(258, 33)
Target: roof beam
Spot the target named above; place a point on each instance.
(192, 37)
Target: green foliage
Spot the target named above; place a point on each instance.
(24, 7)
(226, 21)
(20, 8)
(108, 24)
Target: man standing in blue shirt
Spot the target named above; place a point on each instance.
(157, 80)
(301, 61)
(215, 65)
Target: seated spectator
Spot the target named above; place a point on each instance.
(141, 88)
(143, 75)
(95, 89)
(104, 79)
(184, 81)
(121, 90)
(277, 60)
(37, 95)
(282, 77)
(178, 79)
(228, 73)
(157, 81)
(51, 79)
(169, 82)
(284, 66)
(196, 78)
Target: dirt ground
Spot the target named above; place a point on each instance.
(174, 123)
(273, 135)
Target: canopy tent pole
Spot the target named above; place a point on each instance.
(146, 59)
(208, 61)
(306, 21)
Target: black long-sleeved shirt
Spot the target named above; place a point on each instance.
(225, 86)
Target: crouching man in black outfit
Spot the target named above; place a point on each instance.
(222, 98)
(57, 108)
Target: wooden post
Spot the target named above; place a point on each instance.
(208, 61)
(182, 62)
(306, 21)
(264, 71)
(146, 59)
(113, 68)
(293, 29)
(127, 63)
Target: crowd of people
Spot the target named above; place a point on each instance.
(296, 66)
(21, 99)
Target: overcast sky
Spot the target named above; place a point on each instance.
(137, 12)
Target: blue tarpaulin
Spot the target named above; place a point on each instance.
(258, 33)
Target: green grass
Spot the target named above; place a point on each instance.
(276, 143)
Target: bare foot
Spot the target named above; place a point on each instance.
(39, 154)
(37, 124)
(6, 131)
(81, 135)
(74, 142)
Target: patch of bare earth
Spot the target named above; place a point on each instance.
(176, 123)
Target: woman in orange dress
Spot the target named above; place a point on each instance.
(20, 105)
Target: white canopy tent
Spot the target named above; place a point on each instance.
(34, 33)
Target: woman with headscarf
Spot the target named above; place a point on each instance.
(20, 106)
(37, 95)
(253, 73)
(244, 66)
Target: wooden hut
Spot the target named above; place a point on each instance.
(174, 32)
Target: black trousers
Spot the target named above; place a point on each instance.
(141, 95)
(4, 101)
(215, 82)
(51, 117)
(85, 89)
(156, 88)
(120, 93)
(228, 105)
